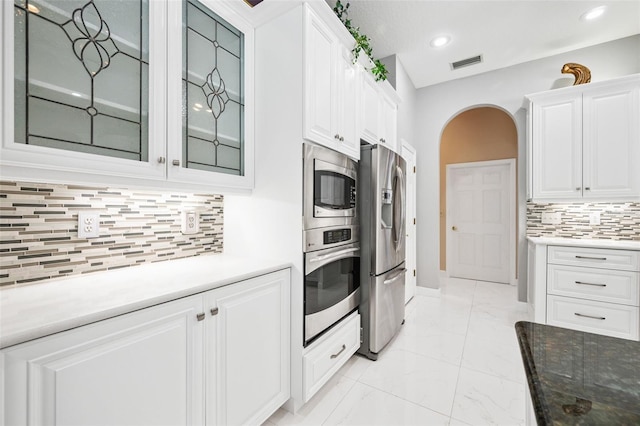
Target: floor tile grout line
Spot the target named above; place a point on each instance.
(403, 399)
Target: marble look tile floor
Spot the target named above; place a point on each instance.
(455, 362)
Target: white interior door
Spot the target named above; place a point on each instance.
(409, 155)
(481, 220)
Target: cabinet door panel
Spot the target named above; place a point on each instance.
(611, 148)
(141, 368)
(248, 350)
(320, 91)
(369, 107)
(557, 148)
(388, 119)
(347, 104)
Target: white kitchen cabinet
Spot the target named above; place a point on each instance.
(592, 289)
(247, 343)
(68, 118)
(584, 142)
(330, 88)
(323, 358)
(219, 357)
(378, 113)
(145, 367)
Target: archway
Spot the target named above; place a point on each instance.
(478, 134)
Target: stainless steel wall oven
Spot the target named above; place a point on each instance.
(331, 239)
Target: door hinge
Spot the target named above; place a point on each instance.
(414, 220)
(414, 169)
(361, 335)
(414, 272)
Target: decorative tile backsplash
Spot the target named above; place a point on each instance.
(39, 230)
(618, 221)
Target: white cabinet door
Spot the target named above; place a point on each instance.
(210, 95)
(369, 109)
(347, 76)
(320, 89)
(247, 350)
(388, 122)
(140, 368)
(557, 147)
(611, 152)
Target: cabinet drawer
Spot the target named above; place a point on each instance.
(330, 353)
(593, 317)
(595, 284)
(595, 257)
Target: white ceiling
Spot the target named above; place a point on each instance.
(505, 32)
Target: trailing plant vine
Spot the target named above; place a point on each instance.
(379, 70)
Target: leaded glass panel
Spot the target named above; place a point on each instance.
(213, 92)
(81, 76)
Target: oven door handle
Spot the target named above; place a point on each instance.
(332, 255)
(318, 262)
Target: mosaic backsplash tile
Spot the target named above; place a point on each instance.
(39, 231)
(618, 221)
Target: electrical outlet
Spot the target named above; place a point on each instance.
(190, 222)
(594, 218)
(551, 218)
(88, 225)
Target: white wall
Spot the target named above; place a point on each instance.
(504, 88)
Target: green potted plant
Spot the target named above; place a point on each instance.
(363, 43)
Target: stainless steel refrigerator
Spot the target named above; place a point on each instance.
(381, 203)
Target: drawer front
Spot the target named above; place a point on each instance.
(594, 284)
(593, 317)
(626, 260)
(329, 354)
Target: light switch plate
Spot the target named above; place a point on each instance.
(551, 218)
(88, 225)
(190, 222)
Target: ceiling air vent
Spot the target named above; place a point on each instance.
(466, 62)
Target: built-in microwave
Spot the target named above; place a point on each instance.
(330, 181)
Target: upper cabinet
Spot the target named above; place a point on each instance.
(378, 113)
(584, 142)
(330, 88)
(140, 93)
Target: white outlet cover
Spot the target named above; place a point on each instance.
(88, 225)
(594, 218)
(551, 218)
(190, 222)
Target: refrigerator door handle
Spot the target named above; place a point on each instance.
(398, 274)
(399, 199)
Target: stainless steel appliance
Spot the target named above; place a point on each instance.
(381, 202)
(331, 239)
(330, 180)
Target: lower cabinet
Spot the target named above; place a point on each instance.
(324, 357)
(220, 357)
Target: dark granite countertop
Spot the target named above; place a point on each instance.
(578, 378)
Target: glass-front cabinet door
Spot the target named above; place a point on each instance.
(210, 54)
(127, 92)
(77, 93)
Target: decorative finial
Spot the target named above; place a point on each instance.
(580, 72)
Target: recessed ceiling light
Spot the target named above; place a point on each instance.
(594, 13)
(32, 8)
(440, 41)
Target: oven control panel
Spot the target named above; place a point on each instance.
(336, 236)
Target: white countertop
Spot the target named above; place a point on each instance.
(36, 310)
(577, 242)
